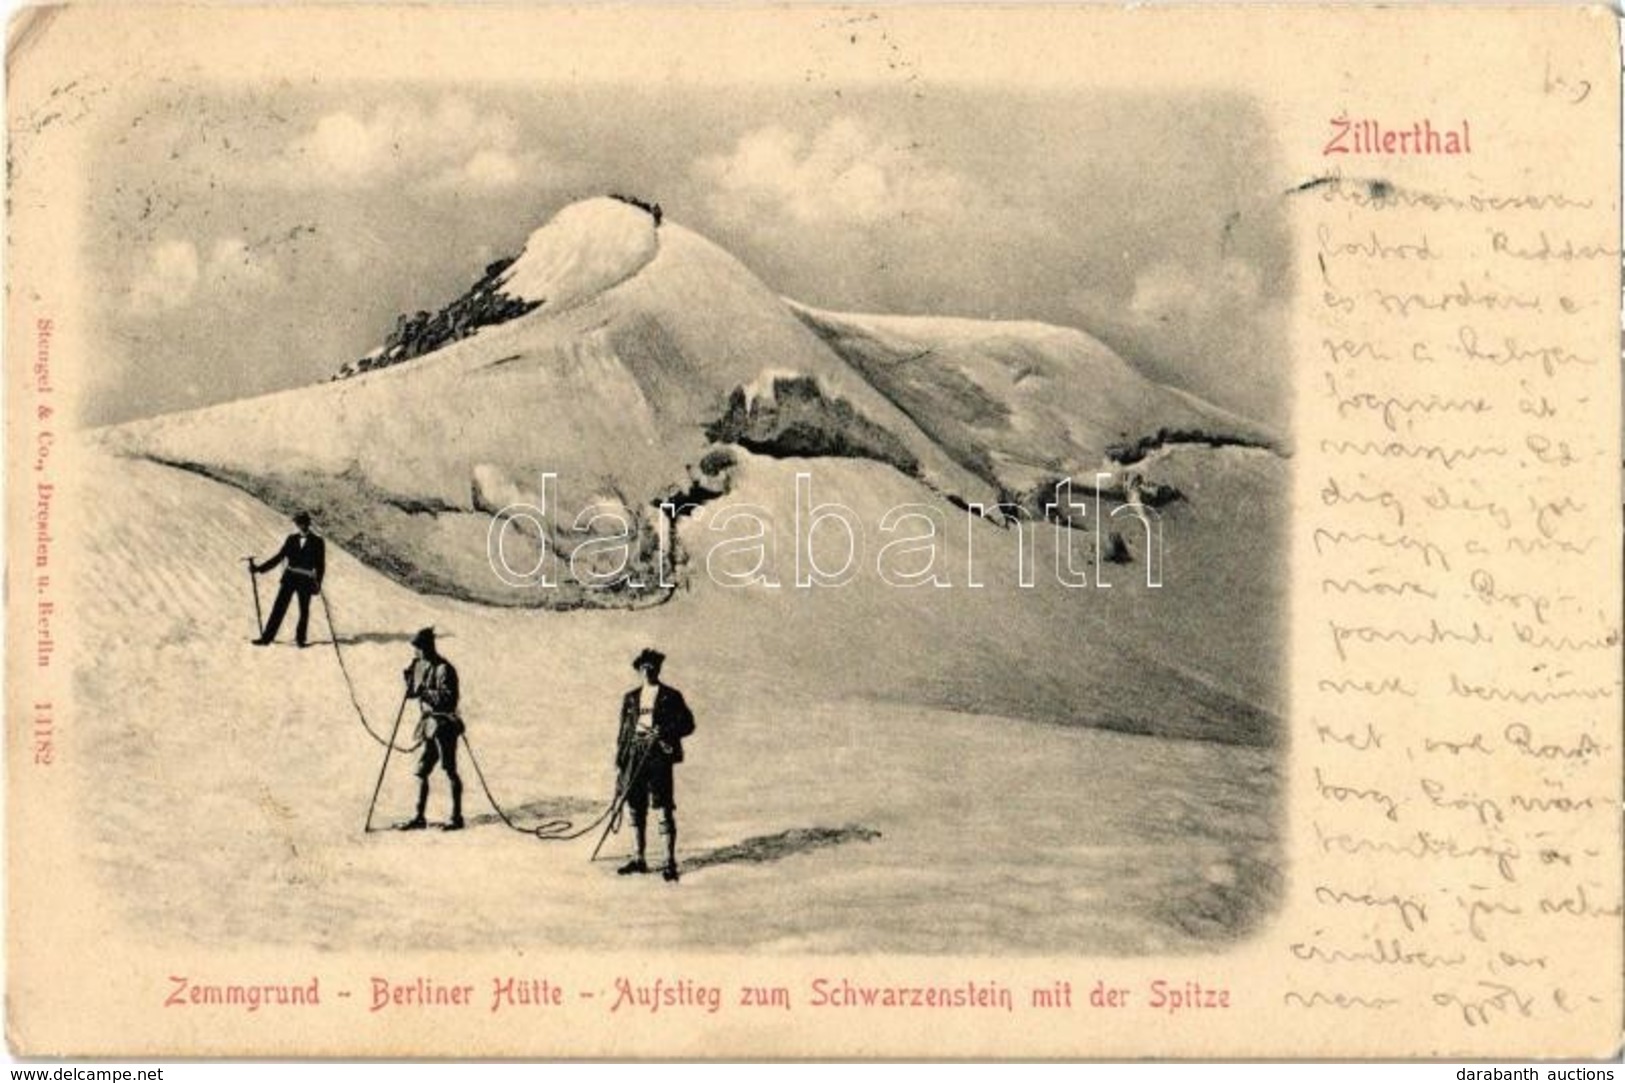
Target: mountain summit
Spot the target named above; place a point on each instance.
(638, 363)
(621, 350)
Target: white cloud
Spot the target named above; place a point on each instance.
(344, 145)
(848, 173)
(233, 263)
(173, 274)
(1207, 325)
(453, 145)
(492, 170)
(166, 280)
(1181, 291)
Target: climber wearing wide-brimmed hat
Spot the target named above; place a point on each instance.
(432, 681)
(654, 721)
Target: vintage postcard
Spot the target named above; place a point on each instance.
(959, 532)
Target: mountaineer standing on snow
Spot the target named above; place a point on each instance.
(306, 556)
(654, 721)
(432, 681)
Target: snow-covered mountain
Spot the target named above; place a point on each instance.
(646, 363)
(1022, 405)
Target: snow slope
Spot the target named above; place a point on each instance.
(230, 783)
(619, 396)
(649, 343)
(1166, 661)
(981, 765)
(581, 252)
(612, 395)
(1020, 404)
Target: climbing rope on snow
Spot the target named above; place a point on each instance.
(349, 684)
(554, 830)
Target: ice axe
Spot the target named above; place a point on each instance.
(614, 822)
(622, 792)
(254, 581)
(389, 748)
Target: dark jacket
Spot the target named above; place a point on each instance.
(672, 721)
(433, 682)
(307, 563)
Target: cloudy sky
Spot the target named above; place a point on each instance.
(248, 242)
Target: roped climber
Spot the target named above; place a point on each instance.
(306, 555)
(654, 721)
(432, 681)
